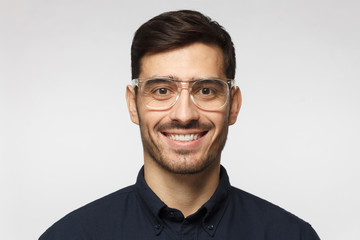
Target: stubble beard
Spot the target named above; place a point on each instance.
(183, 164)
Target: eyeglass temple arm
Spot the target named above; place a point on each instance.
(134, 82)
(231, 83)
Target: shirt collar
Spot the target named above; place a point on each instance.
(214, 207)
(150, 201)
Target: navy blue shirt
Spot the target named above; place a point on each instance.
(137, 213)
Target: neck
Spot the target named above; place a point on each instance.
(186, 193)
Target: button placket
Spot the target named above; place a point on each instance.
(158, 228)
(209, 228)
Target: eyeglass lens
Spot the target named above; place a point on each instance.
(163, 93)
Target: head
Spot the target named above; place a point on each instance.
(185, 45)
(176, 29)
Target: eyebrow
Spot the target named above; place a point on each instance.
(166, 76)
(174, 77)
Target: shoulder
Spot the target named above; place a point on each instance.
(108, 201)
(258, 205)
(114, 202)
(101, 211)
(269, 217)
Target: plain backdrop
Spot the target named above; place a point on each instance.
(66, 138)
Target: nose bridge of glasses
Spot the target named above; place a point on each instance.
(184, 85)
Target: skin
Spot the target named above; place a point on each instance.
(183, 174)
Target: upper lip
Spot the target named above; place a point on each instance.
(183, 132)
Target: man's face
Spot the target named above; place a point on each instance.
(207, 130)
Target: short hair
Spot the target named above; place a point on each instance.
(171, 30)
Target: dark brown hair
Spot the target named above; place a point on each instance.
(175, 29)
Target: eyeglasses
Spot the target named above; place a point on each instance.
(161, 93)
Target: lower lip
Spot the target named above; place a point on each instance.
(185, 144)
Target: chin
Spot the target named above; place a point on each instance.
(184, 164)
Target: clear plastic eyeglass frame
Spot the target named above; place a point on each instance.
(137, 82)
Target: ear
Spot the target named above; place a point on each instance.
(131, 103)
(235, 105)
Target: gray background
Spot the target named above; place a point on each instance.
(66, 138)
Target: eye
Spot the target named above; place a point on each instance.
(159, 88)
(206, 91)
(161, 91)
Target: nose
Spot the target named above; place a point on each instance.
(184, 110)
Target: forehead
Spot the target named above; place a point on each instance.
(192, 61)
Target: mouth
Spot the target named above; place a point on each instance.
(184, 137)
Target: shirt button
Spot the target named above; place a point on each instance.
(157, 226)
(210, 227)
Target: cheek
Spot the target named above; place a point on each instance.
(219, 119)
(150, 119)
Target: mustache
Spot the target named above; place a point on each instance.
(178, 125)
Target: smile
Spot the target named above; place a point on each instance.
(184, 137)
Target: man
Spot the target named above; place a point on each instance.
(183, 98)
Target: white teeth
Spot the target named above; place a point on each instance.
(184, 138)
